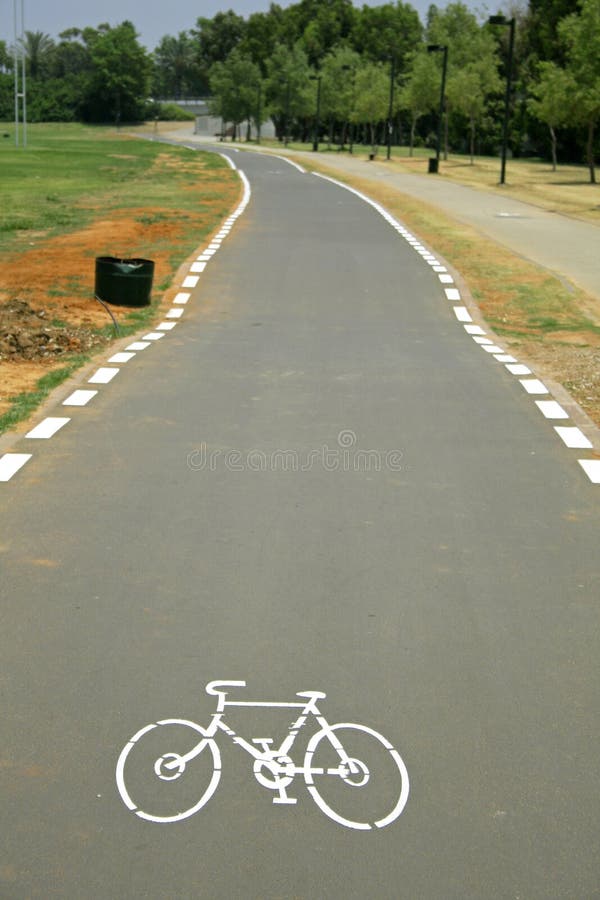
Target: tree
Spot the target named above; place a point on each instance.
(420, 92)
(174, 65)
(550, 100)
(214, 39)
(235, 84)
(288, 87)
(38, 49)
(120, 74)
(581, 36)
(372, 97)
(6, 61)
(337, 88)
(392, 29)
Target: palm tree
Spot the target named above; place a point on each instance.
(38, 48)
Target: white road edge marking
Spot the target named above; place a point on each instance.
(103, 375)
(121, 357)
(10, 464)
(534, 386)
(591, 467)
(551, 409)
(47, 428)
(573, 437)
(79, 398)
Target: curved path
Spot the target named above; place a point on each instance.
(322, 478)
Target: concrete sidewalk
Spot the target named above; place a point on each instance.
(567, 247)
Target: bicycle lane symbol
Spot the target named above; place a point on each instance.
(352, 772)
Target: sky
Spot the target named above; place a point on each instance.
(152, 18)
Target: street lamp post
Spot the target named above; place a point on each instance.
(391, 106)
(502, 20)
(439, 48)
(317, 78)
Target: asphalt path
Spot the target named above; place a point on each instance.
(317, 481)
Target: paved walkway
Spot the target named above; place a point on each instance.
(566, 246)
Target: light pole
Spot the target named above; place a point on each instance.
(391, 106)
(20, 95)
(439, 48)
(317, 78)
(502, 20)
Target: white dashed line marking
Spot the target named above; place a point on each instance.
(79, 398)
(174, 314)
(47, 428)
(121, 357)
(518, 369)
(452, 293)
(591, 467)
(182, 297)
(153, 336)
(534, 386)
(573, 437)
(474, 329)
(505, 358)
(10, 464)
(190, 281)
(482, 340)
(197, 267)
(462, 314)
(551, 409)
(492, 348)
(138, 345)
(166, 326)
(103, 376)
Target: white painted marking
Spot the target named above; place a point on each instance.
(439, 268)
(214, 244)
(505, 358)
(10, 464)
(474, 329)
(518, 369)
(291, 163)
(551, 409)
(492, 348)
(228, 160)
(190, 281)
(138, 345)
(591, 467)
(121, 357)
(208, 254)
(79, 398)
(166, 326)
(204, 257)
(446, 279)
(174, 314)
(462, 314)
(534, 386)
(197, 267)
(153, 336)
(452, 293)
(182, 297)
(47, 428)
(482, 340)
(573, 437)
(103, 375)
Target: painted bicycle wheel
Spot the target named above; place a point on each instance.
(355, 776)
(168, 770)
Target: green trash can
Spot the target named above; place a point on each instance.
(433, 165)
(124, 282)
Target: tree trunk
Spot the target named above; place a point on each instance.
(413, 126)
(472, 140)
(590, 151)
(553, 142)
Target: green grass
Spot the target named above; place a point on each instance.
(67, 173)
(23, 405)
